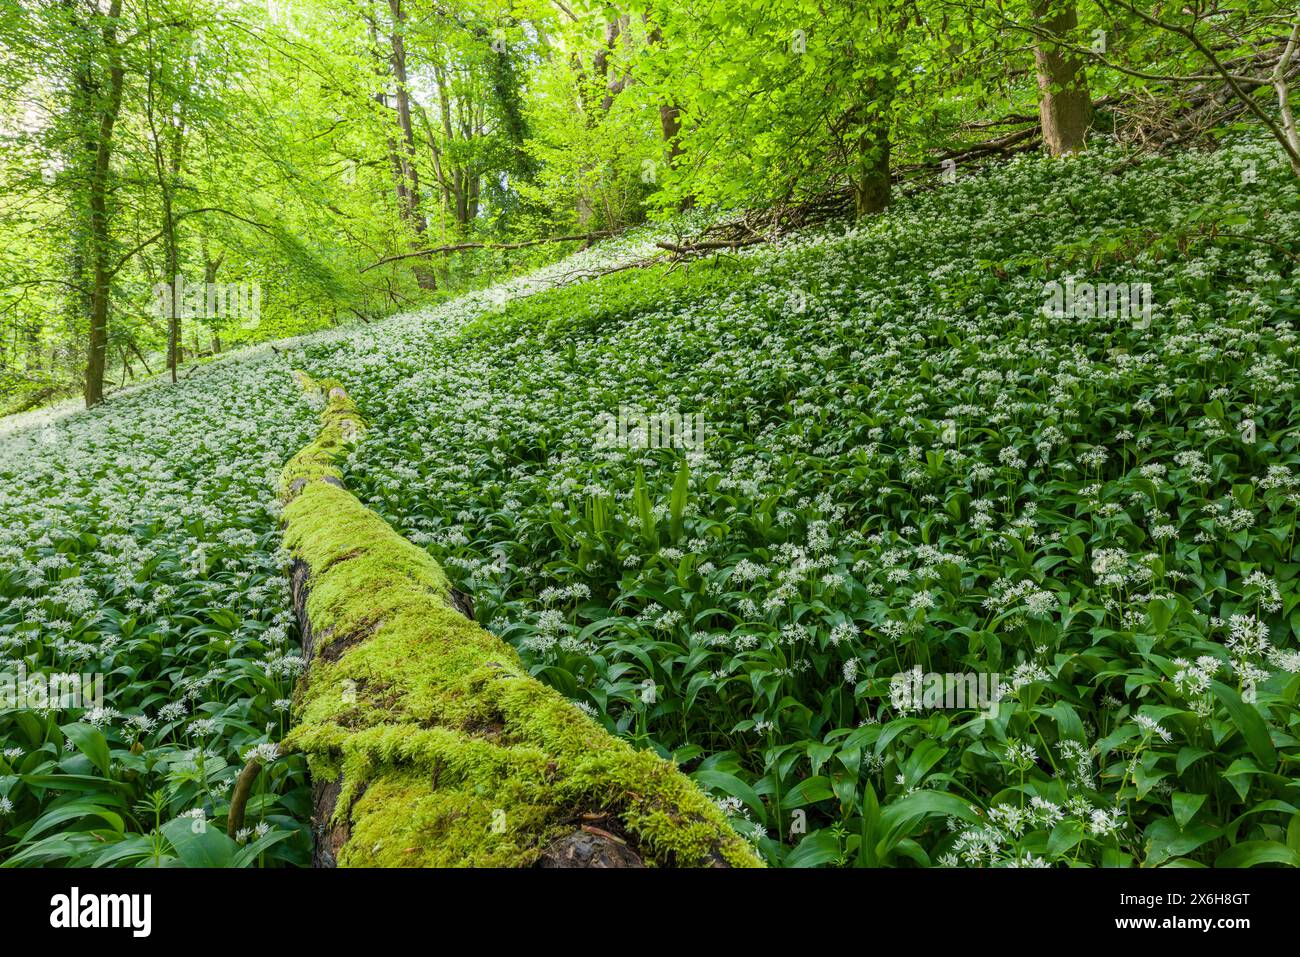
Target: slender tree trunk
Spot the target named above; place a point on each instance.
(172, 258)
(614, 85)
(172, 235)
(79, 155)
(871, 188)
(670, 123)
(1064, 104)
(98, 340)
(167, 171)
(210, 268)
(77, 304)
(101, 274)
(140, 355)
(1285, 112)
(594, 110)
(406, 153)
(401, 157)
(871, 177)
(460, 188)
(395, 161)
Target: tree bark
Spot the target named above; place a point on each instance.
(401, 148)
(101, 273)
(424, 276)
(1280, 85)
(1064, 105)
(167, 170)
(594, 111)
(872, 176)
(406, 153)
(210, 269)
(460, 179)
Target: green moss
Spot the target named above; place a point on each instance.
(402, 822)
(450, 753)
(341, 423)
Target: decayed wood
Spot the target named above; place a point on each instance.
(589, 847)
(328, 838)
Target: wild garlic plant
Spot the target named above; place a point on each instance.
(905, 463)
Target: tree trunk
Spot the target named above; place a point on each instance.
(210, 267)
(871, 188)
(1064, 105)
(140, 355)
(670, 124)
(101, 274)
(172, 259)
(428, 742)
(167, 170)
(1290, 133)
(406, 183)
(594, 111)
(406, 153)
(871, 179)
(460, 180)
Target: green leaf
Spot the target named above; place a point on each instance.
(90, 742)
(871, 822)
(204, 846)
(1250, 723)
(1161, 612)
(1187, 756)
(817, 848)
(808, 791)
(248, 855)
(1250, 853)
(1186, 806)
(1063, 837)
(733, 786)
(71, 812)
(899, 816)
(677, 501)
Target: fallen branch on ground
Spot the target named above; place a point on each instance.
(708, 245)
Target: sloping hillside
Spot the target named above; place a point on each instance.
(883, 448)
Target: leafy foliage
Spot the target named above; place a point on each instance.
(906, 463)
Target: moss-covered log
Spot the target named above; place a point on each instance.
(428, 742)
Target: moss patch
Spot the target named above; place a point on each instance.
(449, 752)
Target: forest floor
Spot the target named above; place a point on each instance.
(921, 442)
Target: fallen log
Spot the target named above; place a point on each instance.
(708, 245)
(427, 741)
